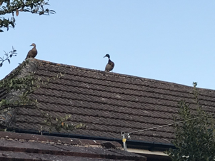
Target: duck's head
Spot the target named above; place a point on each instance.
(33, 44)
(107, 55)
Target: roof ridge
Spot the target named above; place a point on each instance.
(36, 61)
(107, 73)
(113, 73)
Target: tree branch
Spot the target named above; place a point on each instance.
(8, 56)
(16, 6)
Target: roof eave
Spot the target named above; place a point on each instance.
(130, 143)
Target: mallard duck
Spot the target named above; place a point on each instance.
(110, 64)
(33, 52)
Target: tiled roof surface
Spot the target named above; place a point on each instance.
(2, 94)
(108, 103)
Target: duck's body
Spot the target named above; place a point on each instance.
(33, 52)
(110, 64)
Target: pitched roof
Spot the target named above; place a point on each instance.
(107, 103)
(15, 146)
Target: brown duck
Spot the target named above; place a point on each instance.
(110, 64)
(33, 52)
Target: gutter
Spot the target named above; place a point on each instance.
(130, 143)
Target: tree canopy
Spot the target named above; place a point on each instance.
(13, 7)
(195, 134)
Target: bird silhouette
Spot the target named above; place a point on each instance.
(110, 64)
(33, 52)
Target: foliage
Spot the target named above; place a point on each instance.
(195, 134)
(27, 85)
(8, 56)
(60, 123)
(15, 6)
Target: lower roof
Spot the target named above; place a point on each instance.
(27, 147)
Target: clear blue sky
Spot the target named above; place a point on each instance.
(167, 40)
